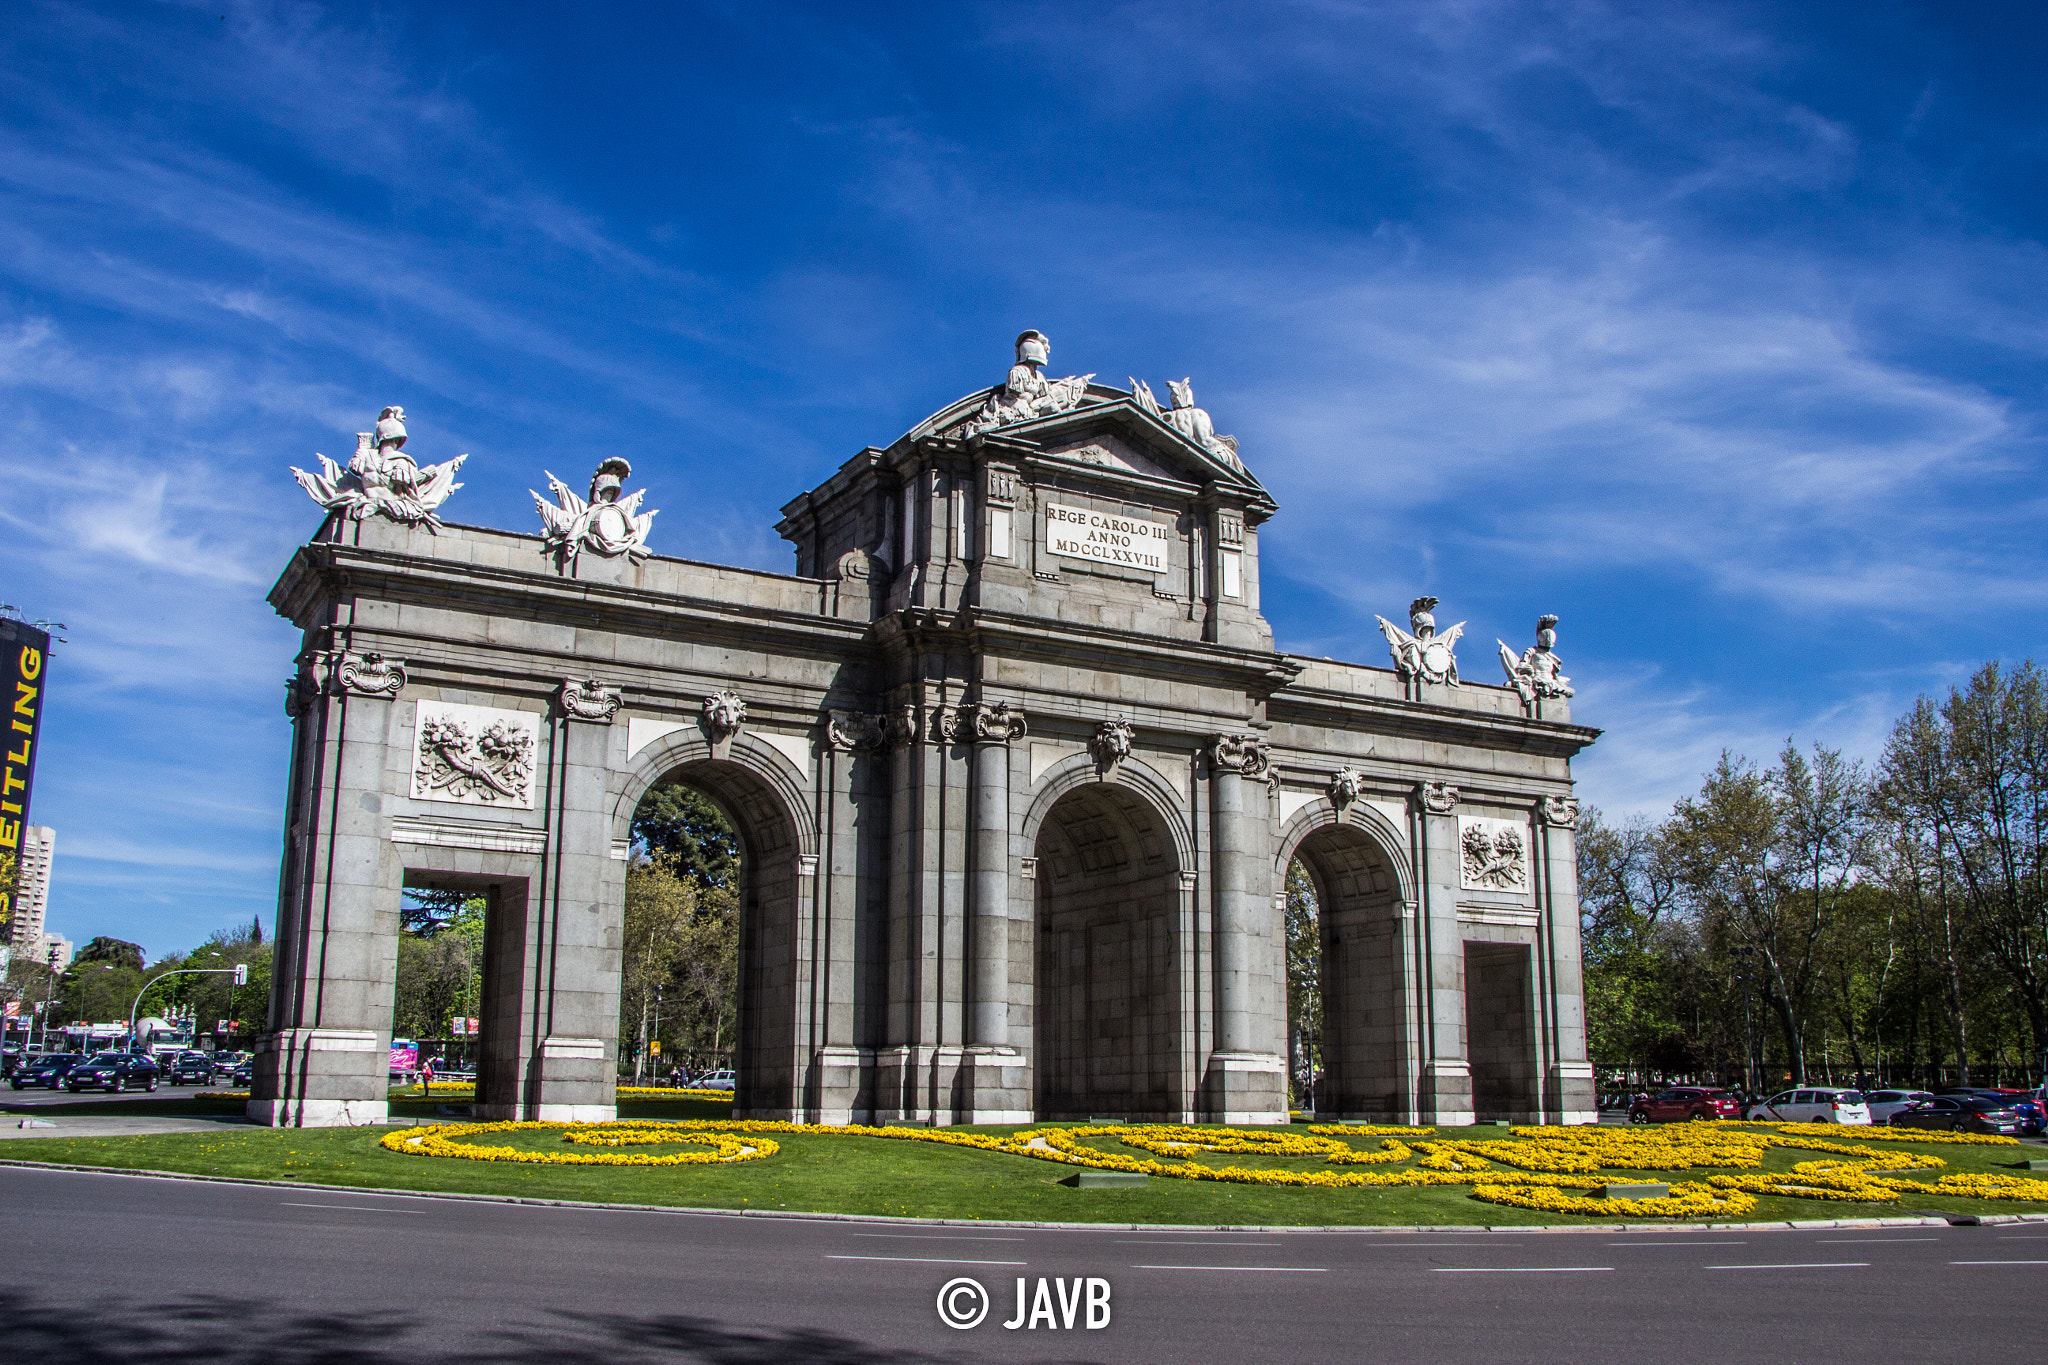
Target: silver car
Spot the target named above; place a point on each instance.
(1819, 1104)
(1885, 1103)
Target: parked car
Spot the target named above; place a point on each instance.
(717, 1080)
(114, 1071)
(1823, 1104)
(2021, 1102)
(1684, 1102)
(1962, 1114)
(46, 1072)
(189, 1068)
(1884, 1103)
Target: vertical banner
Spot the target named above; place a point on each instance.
(24, 665)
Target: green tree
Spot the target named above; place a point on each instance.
(678, 823)
(1764, 859)
(1304, 980)
(660, 903)
(112, 951)
(1967, 782)
(1625, 891)
(439, 972)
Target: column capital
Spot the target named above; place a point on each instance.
(997, 724)
(589, 700)
(856, 732)
(1438, 798)
(365, 675)
(1560, 812)
(1243, 754)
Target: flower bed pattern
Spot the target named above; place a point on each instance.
(1544, 1163)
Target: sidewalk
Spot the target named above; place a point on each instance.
(81, 1125)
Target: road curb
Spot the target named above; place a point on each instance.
(1802, 1225)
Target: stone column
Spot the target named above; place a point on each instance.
(996, 1070)
(574, 1073)
(1568, 1091)
(1243, 1084)
(1446, 1091)
(325, 1062)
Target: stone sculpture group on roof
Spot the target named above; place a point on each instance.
(381, 479)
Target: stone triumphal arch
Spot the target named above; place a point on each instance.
(1015, 767)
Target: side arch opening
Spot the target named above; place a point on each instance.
(1106, 993)
(1356, 1043)
(759, 879)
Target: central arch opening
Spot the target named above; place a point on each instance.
(1107, 971)
(1355, 1016)
(710, 939)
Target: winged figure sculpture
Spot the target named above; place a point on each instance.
(610, 522)
(1421, 651)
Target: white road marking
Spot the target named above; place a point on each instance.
(923, 1260)
(1799, 1265)
(932, 1237)
(1170, 1242)
(1516, 1269)
(356, 1208)
(1849, 1241)
(1268, 1269)
(1998, 1262)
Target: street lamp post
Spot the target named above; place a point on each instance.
(49, 996)
(240, 972)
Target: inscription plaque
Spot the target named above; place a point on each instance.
(1126, 541)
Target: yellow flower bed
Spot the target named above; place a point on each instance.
(1688, 1200)
(1550, 1162)
(1886, 1133)
(439, 1140)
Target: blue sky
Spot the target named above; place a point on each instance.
(1716, 329)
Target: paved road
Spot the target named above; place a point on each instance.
(110, 1270)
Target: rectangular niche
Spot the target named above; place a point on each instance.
(1493, 855)
(474, 755)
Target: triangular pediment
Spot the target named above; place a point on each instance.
(1109, 430)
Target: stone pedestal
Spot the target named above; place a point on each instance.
(1245, 1087)
(1570, 1096)
(993, 1086)
(320, 1078)
(1446, 1098)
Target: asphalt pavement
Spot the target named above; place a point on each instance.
(110, 1270)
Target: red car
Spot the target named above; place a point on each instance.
(1684, 1102)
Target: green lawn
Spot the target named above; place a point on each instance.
(880, 1176)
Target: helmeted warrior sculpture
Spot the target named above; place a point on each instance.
(1027, 394)
(608, 524)
(1423, 654)
(380, 479)
(1538, 672)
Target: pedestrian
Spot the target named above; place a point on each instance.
(427, 1076)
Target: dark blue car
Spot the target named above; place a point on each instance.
(46, 1071)
(115, 1071)
(2033, 1121)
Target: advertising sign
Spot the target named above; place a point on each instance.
(406, 1058)
(24, 666)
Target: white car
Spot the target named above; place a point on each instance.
(1818, 1105)
(716, 1080)
(1884, 1103)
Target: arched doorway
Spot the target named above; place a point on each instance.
(1107, 967)
(764, 883)
(1363, 1043)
